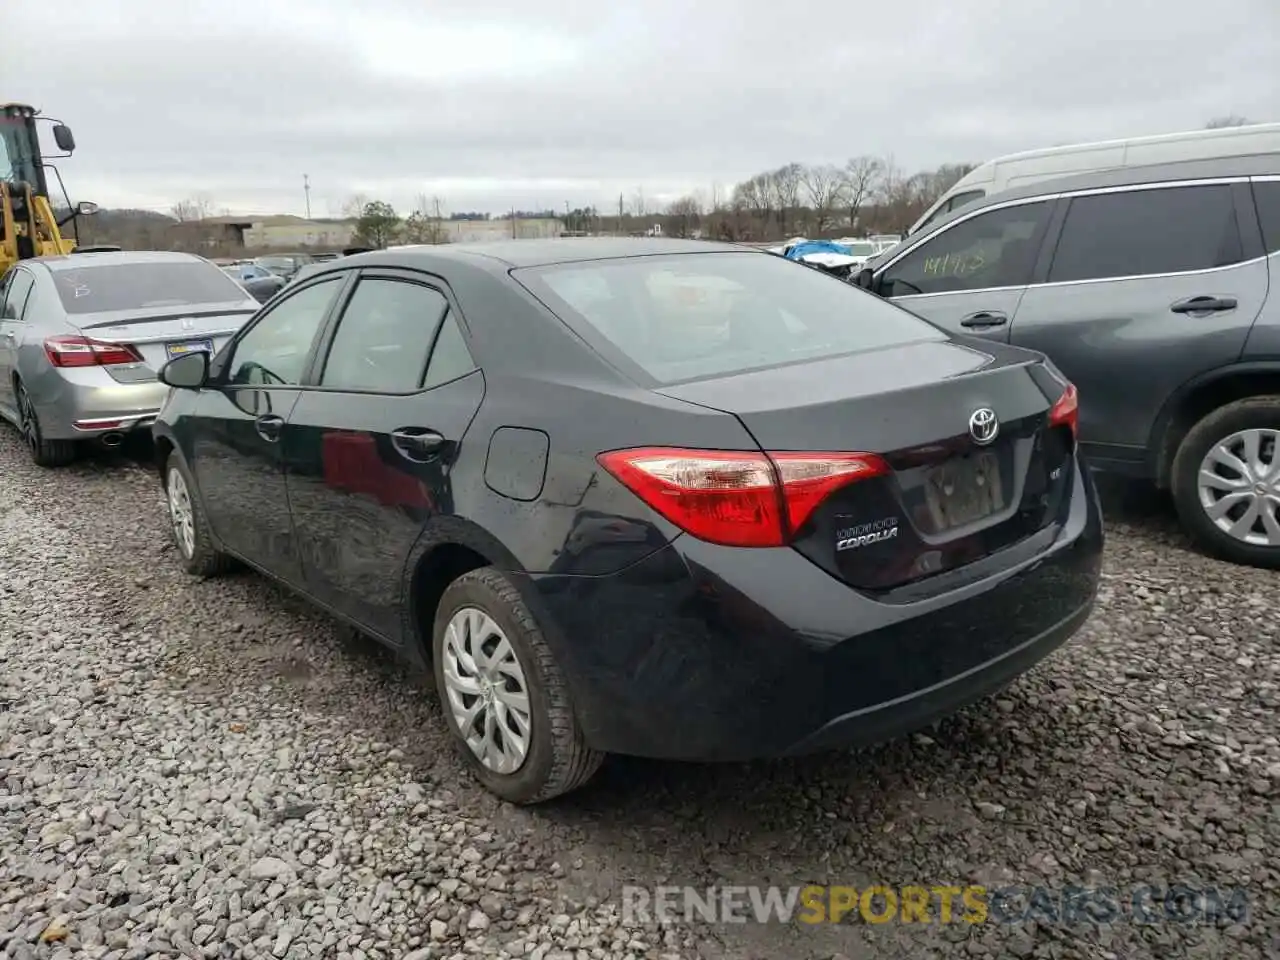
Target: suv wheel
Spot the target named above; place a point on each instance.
(503, 695)
(1226, 482)
(187, 521)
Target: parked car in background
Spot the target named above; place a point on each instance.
(1154, 289)
(82, 336)
(260, 282)
(285, 265)
(817, 522)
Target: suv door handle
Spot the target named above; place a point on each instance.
(1204, 305)
(984, 319)
(269, 427)
(417, 443)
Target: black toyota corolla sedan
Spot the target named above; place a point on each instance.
(671, 499)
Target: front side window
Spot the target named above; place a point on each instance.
(995, 249)
(1144, 232)
(715, 314)
(106, 287)
(384, 336)
(273, 352)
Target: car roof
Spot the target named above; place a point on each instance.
(106, 258)
(1251, 165)
(502, 255)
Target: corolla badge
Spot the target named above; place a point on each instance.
(187, 323)
(984, 427)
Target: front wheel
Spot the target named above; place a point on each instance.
(503, 694)
(1226, 482)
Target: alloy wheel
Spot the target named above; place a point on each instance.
(1239, 486)
(487, 691)
(181, 514)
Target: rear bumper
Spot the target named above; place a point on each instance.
(708, 653)
(92, 404)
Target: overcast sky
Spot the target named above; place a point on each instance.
(532, 103)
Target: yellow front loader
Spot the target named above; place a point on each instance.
(28, 227)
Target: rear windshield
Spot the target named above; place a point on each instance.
(134, 286)
(699, 315)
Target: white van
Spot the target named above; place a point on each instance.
(1020, 169)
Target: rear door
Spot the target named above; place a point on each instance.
(238, 425)
(970, 276)
(1147, 287)
(369, 444)
(13, 301)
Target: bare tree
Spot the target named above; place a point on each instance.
(198, 207)
(686, 214)
(1229, 120)
(786, 189)
(861, 182)
(353, 206)
(638, 206)
(824, 189)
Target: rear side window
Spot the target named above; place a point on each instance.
(384, 336)
(137, 286)
(1266, 193)
(15, 297)
(450, 358)
(701, 315)
(1144, 232)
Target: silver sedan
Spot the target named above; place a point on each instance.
(82, 336)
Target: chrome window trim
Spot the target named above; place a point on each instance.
(1072, 194)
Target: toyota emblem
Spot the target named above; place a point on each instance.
(983, 426)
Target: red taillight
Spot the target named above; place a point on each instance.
(86, 352)
(1066, 412)
(737, 498)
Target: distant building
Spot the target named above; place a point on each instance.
(297, 233)
(479, 231)
(285, 232)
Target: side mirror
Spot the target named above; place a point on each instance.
(187, 372)
(86, 208)
(64, 138)
(865, 278)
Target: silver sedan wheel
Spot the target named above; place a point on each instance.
(1239, 486)
(181, 514)
(487, 691)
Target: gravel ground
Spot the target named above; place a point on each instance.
(207, 769)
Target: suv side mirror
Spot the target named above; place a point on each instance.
(64, 138)
(865, 278)
(187, 372)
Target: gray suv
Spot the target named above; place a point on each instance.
(1149, 288)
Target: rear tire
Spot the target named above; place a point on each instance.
(1203, 455)
(483, 613)
(44, 453)
(188, 525)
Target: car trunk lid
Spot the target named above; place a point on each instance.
(159, 335)
(944, 498)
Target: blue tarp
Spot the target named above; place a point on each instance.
(818, 246)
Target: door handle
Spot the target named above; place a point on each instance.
(417, 443)
(984, 319)
(269, 427)
(1204, 305)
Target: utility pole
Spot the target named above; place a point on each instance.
(513, 223)
(621, 213)
(306, 190)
